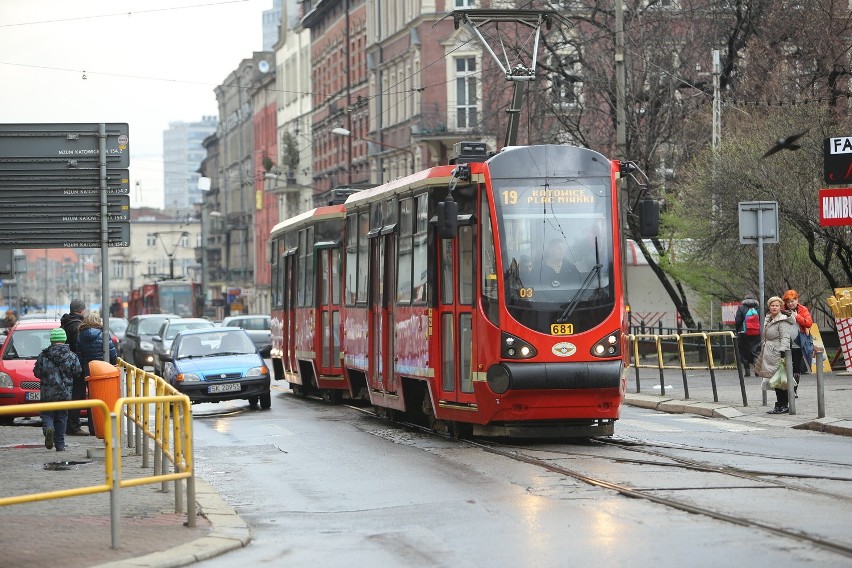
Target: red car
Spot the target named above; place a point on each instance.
(18, 355)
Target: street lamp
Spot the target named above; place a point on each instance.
(171, 255)
(345, 132)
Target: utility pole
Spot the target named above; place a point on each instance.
(717, 102)
(620, 82)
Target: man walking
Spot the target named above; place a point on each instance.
(70, 322)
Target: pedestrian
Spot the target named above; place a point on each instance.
(10, 320)
(90, 347)
(778, 330)
(70, 322)
(56, 367)
(803, 347)
(747, 322)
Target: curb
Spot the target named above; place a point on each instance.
(228, 532)
(829, 425)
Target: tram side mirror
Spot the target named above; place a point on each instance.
(649, 217)
(448, 219)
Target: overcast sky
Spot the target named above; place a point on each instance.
(146, 63)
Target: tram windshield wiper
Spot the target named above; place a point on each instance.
(587, 281)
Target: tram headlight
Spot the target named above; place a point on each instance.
(499, 378)
(609, 346)
(512, 347)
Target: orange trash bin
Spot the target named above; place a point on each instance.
(104, 382)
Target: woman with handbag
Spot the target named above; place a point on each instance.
(778, 330)
(803, 343)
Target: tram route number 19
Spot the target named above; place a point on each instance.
(561, 329)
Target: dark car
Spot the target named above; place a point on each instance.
(18, 384)
(257, 326)
(117, 327)
(166, 334)
(136, 347)
(216, 364)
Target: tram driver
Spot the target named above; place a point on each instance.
(556, 270)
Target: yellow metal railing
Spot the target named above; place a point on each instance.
(170, 430)
(706, 348)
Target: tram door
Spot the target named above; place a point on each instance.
(456, 295)
(381, 320)
(329, 308)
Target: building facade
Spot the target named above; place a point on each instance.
(183, 151)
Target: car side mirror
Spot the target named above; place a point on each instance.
(166, 357)
(156, 338)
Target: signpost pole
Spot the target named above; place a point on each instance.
(102, 163)
(760, 278)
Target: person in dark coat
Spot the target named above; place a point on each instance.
(90, 347)
(70, 322)
(56, 367)
(749, 344)
(556, 270)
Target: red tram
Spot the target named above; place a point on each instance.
(483, 298)
(179, 297)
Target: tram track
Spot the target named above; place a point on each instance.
(517, 453)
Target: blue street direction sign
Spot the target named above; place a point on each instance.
(69, 147)
(52, 236)
(50, 184)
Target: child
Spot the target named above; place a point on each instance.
(56, 366)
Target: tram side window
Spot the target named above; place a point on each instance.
(335, 276)
(489, 265)
(351, 259)
(363, 252)
(406, 218)
(300, 295)
(420, 250)
(310, 281)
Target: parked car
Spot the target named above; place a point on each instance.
(136, 347)
(18, 355)
(117, 327)
(257, 326)
(166, 334)
(216, 364)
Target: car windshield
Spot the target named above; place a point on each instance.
(117, 325)
(215, 343)
(150, 326)
(173, 329)
(27, 343)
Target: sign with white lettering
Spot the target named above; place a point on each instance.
(76, 183)
(67, 147)
(72, 236)
(835, 207)
(837, 160)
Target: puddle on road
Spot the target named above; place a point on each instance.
(64, 465)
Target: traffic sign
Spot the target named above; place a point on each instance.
(73, 236)
(68, 147)
(76, 183)
(758, 221)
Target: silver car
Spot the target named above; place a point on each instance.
(166, 335)
(257, 326)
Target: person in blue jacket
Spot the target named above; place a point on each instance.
(56, 368)
(90, 347)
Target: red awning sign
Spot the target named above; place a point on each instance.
(835, 207)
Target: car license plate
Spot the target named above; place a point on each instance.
(33, 396)
(224, 387)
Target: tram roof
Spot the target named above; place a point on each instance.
(315, 214)
(429, 177)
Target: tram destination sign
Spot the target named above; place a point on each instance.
(62, 146)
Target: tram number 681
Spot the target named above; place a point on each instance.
(562, 329)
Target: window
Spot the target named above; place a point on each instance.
(420, 248)
(152, 239)
(351, 259)
(466, 92)
(465, 3)
(406, 218)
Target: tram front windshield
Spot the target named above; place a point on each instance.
(557, 251)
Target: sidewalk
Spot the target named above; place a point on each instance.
(837, 389)
(75, 531)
